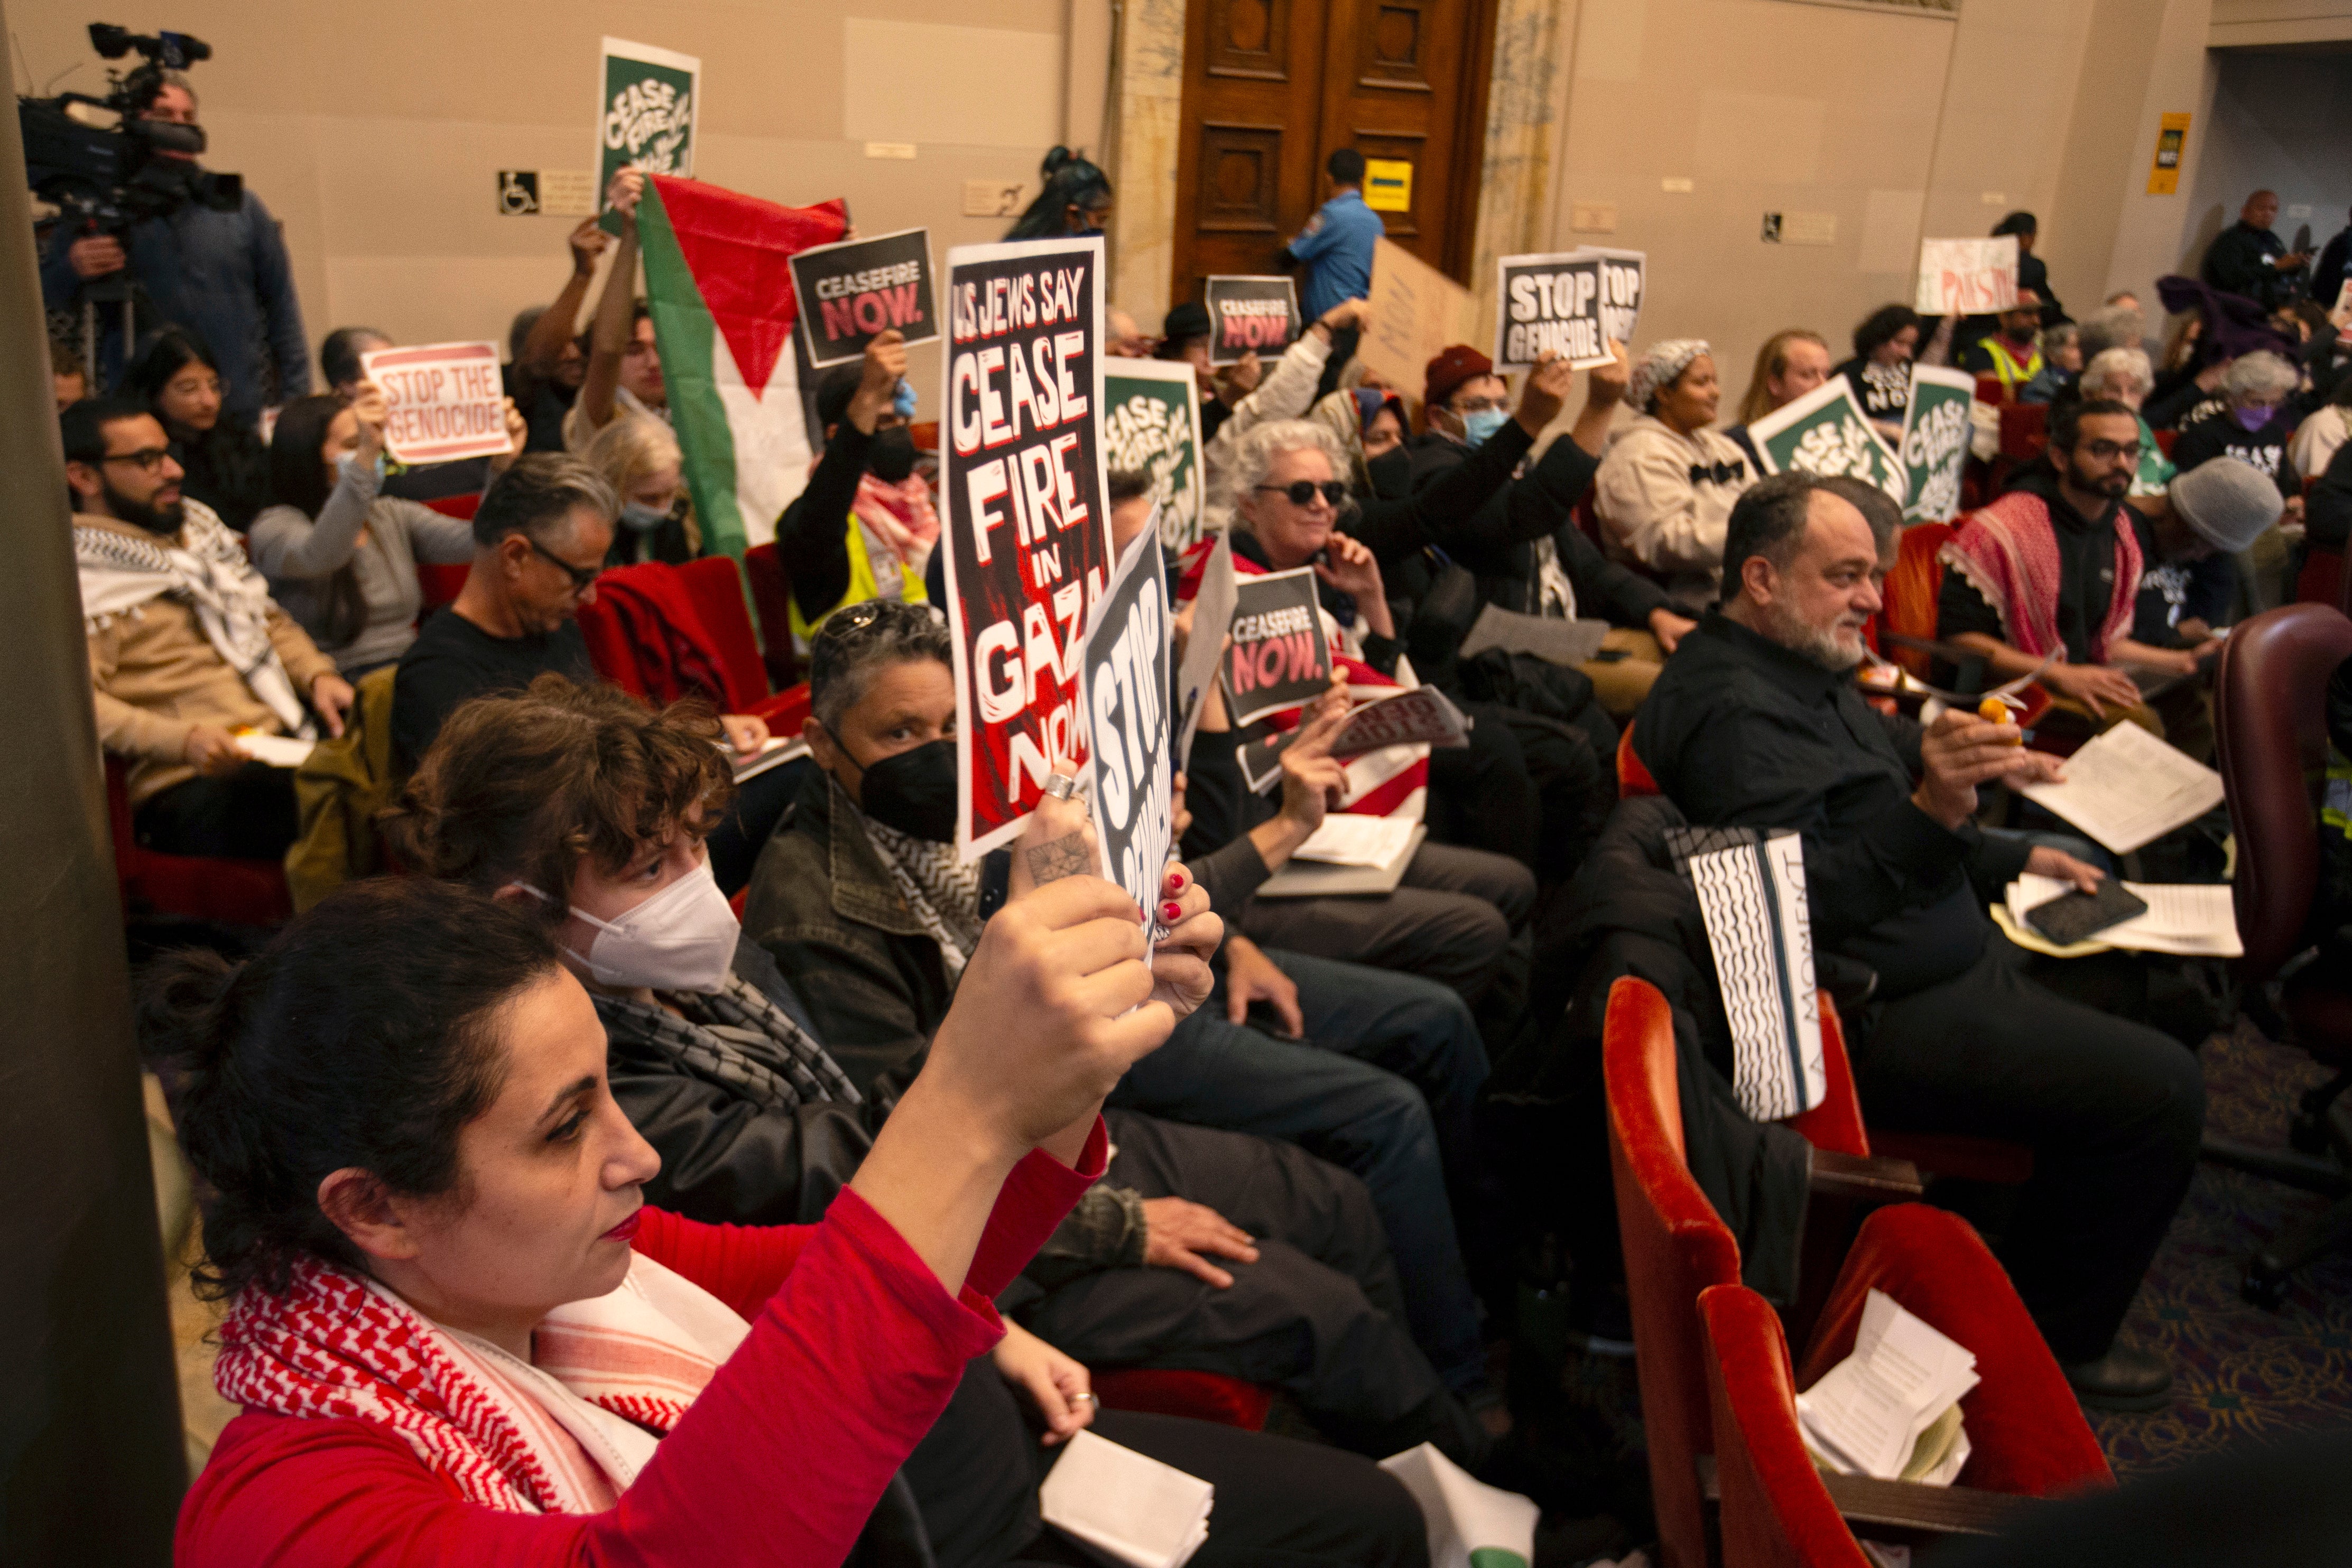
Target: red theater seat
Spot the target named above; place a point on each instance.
(239, 893)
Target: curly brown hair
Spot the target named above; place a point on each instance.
(518, 789)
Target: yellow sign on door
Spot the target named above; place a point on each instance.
(1387, 184)
(2164, 174)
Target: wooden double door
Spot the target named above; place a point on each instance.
(1272, 87)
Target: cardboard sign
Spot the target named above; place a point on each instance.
(1027, 532)
(853, 292)
(1570, 304)
(1126, 718)
(1936, 431)
(647, 99)
(1278, 659)
(442, 401)
(1212, 617)
(1967, 276)
(1417, 312)
(1151, 422)
(1251, 316)
(1825, 431)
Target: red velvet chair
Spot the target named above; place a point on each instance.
(1676, 1245)
(2024, 431)
(2026, 1432)
(1992, 389)
(2269, 723)
(772, 596)
(1909, 593)
(235, 892)
(713, 596)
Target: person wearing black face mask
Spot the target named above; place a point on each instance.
(186, 648)
(864, 526)
(1224, 1251)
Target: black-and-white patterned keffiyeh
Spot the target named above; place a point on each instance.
(202, 565)
(736, 1037)
(943, 892)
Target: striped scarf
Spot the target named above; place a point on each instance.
(202, 565)
(563, 1433)
(736, 1037)
(943, 892)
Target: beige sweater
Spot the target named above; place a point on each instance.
(1665, 501)
(155, 676)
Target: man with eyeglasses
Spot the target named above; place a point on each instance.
(539, 538)
(2054, 566)
(187, 653)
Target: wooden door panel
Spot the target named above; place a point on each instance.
(1272, 87)
(1246, 164)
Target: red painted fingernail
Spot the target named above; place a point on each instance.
(1171, 910)
(1175, 880)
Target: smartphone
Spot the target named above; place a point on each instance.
(2074, 917)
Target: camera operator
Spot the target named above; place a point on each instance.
(222, 273)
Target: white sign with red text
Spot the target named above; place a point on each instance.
(1967, 276)
(442, 401)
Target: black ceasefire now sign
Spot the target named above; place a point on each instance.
(851, 293)
(1277, 659)
(1251, 316)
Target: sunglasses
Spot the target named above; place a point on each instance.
(580, 576)
(1302, 492)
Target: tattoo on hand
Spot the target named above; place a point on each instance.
(1065, 856)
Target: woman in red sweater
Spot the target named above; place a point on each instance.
(461, 1338)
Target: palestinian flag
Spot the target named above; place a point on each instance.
(719, 285)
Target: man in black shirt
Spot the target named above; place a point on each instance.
(539, 538)
(2248, 259)
(1756, 723)
(2052, 566)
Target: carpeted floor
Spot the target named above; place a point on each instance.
(2240, 1372)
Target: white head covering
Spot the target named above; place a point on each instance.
(1659, 366)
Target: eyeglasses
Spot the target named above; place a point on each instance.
(147, 459)
(1302, 492)
(582, 576)
(1476, 405)
(2109, 451)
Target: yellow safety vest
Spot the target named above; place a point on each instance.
(2013, 372)
(863, 586)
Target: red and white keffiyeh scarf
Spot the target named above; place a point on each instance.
(2009, 552)
(562, 1434)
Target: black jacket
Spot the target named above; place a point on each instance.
(2219, 435)
(813, 535)
(1742, 732)
(1634, 916)
(725, 1158)
(2330, 515)
(2239, 262)
(1497, 540)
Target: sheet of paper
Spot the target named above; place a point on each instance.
(1128, 1505)
(1467, 1519)
(2193, 919)
(278, 750)
(780, 749)
(2128, 787)
(1549, 639)
(1348, 839)
(1420, 716)
(1868, 1411)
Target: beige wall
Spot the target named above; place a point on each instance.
(2280, 122)
(1894, 124)
(378, 147)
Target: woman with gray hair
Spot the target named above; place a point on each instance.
(2125, 376)
(1666, 489)
(2249, 419)
(1288, 501)
(2061, 360)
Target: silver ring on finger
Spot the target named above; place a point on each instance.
(1061, 786)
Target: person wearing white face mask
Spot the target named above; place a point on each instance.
(639, 458)
(340, 556)
(580, 806)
